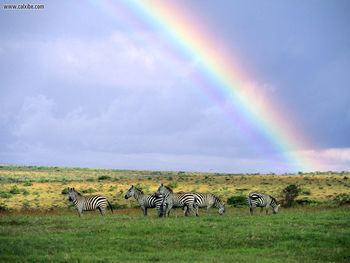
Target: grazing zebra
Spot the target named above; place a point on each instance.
(88, 203)
(145, 201)
(175, 200)
(262, 200)
(208, 200)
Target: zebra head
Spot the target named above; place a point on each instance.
(130, 192)
(275, 209)
(221, 208)
(72, 194)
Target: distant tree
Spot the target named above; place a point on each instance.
(289, 194)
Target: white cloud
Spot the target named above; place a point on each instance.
(329, 159)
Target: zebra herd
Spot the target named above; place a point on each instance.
(164, 199)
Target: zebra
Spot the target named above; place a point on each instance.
(175, 200)
(88, 203)
(262, 200)
(208, 200)
(145, 201)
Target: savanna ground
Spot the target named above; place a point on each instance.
(37, 223)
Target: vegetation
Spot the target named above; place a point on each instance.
(237, 201)
(294, 235)
(41, 187)
(38, 224)
(289, 194)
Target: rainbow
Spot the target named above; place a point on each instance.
(267, 118)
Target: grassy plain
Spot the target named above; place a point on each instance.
(37, 224)
(313, 234)
(41, 187)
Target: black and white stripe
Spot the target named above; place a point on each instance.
(208, 200)
(145, 201)
(175, 200)
(88, 203)
(262, 200)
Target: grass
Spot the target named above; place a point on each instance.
(294, 235)
(37, 223)
(41, 187)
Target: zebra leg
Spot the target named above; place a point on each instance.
(145, 212)
(168, 208)
(251, 210)
(261, 209)
(79, 212)
(196, 210)
(102, 211)
(186, 210)
(267, 209)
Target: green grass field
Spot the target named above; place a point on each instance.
(308, 234)
(38, 224)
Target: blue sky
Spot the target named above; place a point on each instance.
(80, 87)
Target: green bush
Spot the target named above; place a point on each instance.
(88, 191)
(119, 206)
(173, 184)
(306, 192)
(306, 202)
(14, 190)
(104, 177)
(342, 199)
(5, 195)
(64, 191)
(237, 201)
(3, 207)
(289, 194)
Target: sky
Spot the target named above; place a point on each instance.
(98, 84)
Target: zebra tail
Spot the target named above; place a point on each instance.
(110, 206)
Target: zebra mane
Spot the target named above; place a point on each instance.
(273, 199)
(75, 191)
(139, 189)
(217, 199)
(169, 189)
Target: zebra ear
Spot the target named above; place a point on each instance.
(161, 184)
(132, 186)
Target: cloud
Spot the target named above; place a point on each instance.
(115, 60)
(328, 159)
(133, 125)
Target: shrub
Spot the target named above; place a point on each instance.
(306, 192)
(306, 202)
(342, 199)
(173, 184)
(3, 207)
(14, 190)
(5, 195)
(104, 177)
(237, 201)
(88, 191)
(64, 191)
(289, 195)
(28, 184)
(119, 206)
